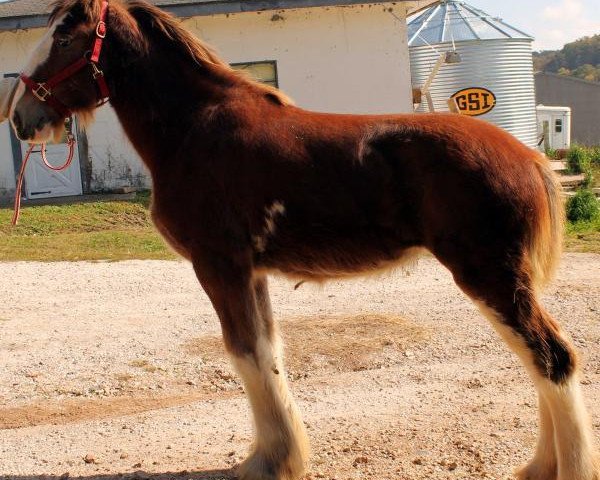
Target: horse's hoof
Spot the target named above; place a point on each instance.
(587, 469)
(536, 471)
(259, 466)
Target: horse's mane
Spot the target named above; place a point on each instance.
(168, 26)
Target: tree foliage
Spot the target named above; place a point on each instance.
(580, 59)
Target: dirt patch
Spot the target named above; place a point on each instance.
(314, 345)
(76, 410)
(344, 343)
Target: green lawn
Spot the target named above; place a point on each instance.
(112, 230)
(122, 230)
(583, 237)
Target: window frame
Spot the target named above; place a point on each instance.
(558, 125)
(260, 62)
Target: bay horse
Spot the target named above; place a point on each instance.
(247, 184)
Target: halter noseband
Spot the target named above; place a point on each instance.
(43, 90)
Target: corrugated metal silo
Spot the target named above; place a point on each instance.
(494, 57)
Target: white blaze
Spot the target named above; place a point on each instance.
(39, 55)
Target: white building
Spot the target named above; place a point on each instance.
(338, 56)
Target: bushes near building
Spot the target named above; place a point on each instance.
(579, 160)
(583, 207)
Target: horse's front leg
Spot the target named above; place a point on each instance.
(242, 304)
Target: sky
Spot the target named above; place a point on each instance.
(552, 22)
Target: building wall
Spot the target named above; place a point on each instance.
(347, 60)
(583, 98)
(14, 50)
(338, 59)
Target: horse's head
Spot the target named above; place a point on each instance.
(41, 103)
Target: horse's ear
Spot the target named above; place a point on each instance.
(125, 30)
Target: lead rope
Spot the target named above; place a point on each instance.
(67, 164)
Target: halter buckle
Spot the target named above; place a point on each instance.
(96, 71)
(41, 92)
(101, 29)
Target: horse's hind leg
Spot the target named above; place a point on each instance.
(544, 464)
(565, 450)
(242, 302)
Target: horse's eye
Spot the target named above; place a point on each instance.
(64, 41)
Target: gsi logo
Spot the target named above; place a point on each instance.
(474, 101)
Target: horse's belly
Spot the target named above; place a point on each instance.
(340, 256)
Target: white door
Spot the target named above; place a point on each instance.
(558, 129)
(41, 182)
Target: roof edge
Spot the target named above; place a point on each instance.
(219, 7)
(222, 7)
(23, 22)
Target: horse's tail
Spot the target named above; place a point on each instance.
(546, 236)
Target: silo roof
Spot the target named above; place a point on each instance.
(451, 20)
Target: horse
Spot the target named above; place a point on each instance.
(246, 184)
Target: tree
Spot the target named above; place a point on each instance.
(580, 59)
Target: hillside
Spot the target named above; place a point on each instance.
(580, 59)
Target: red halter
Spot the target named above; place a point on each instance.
(43, 90)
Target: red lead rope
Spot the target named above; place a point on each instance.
(67, 164)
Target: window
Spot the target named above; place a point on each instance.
(265, 72)
(558, 125)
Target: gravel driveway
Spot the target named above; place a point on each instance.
(116, 369)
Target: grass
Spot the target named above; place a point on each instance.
(115, 230)
(123, 230)
(583, 236)
(596, 175)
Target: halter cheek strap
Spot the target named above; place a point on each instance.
(43, 90)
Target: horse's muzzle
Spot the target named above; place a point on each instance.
(32, 128)
(21, 130)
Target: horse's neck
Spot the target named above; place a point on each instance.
(159, 102)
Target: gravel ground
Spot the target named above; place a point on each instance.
(115, 370)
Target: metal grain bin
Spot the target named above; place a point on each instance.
(494, 58)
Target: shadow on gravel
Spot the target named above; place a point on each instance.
(185, 475)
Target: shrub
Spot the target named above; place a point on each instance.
(595, 156)
(578, 159)
(551, 153)
(583, 206)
